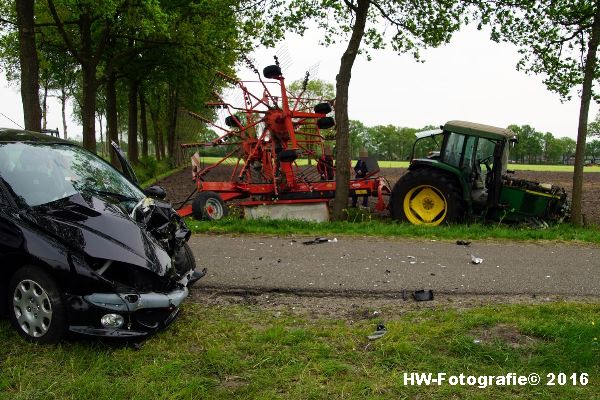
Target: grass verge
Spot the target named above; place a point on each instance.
(243, 352)
(157, 178)
(364, 225)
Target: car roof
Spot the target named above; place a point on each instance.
(475, 129)
(20, 135)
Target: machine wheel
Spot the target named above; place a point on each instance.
(287, 155)
(323, 108)
(232, 122)
(426, 197)
(325, 122)
(209, 206)
(272, 72)
(35, 306)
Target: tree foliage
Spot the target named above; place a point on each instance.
(558, 40)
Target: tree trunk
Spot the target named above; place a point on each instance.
(158, 142)
(30, 84)
(132, 126)
(112, 132)
(88, 110)
(586, 95)
(144, 124)
(45, 107)
(101, 134)
(172, 118)
(342, 143)
(63, 101)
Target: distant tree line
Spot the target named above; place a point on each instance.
(394, 143)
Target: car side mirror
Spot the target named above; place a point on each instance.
(156, 192)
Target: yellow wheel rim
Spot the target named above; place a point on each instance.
(425, 205)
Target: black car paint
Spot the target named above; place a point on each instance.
(67, 236)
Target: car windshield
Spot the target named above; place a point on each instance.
(42, 173)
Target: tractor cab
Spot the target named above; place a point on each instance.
(480, 153)
(466, 177)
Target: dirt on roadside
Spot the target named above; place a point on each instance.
(356, 308)
(180, 185)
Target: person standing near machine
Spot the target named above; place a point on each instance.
(325, 165)
(361, 171)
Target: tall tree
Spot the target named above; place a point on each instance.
(30, 83)
(406, 25)
(558, 39)
(86, 44)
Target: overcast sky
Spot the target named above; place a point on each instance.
(471, 79)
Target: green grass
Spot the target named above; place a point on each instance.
(241, 352)
(361, 224)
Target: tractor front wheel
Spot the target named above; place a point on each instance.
(209, 206)
(426, 197)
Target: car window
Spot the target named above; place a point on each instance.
(41, 173)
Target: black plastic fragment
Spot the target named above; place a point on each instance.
(423, 295)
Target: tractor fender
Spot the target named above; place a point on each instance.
(449, 170)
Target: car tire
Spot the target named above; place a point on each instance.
(35, 305)
(427, 197)
(209, 206)
(184, 260)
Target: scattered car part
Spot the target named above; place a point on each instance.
(380, 332)
(423, 295)
(316, 241)
(476, 260)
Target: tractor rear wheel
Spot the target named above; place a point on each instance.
(427, 197)
(209, 206)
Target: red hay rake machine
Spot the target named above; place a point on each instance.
(269, 154)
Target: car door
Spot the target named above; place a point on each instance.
(126, 167)
(11, 237)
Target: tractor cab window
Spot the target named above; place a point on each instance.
(485, 151)
(454, 149)
(468, 158)
(484, 160)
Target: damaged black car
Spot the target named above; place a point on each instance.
(82, 248)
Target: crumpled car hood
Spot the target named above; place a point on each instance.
(100, 229)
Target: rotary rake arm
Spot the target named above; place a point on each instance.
(264, 146)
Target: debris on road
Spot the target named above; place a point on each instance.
(423, 295)
(320, 240)
(476, 260)
(379, 332)
(463, 243)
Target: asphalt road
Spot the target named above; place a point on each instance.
(374, 265)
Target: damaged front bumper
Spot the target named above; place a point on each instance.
(141, 313)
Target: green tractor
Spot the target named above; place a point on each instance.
(468, 178)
